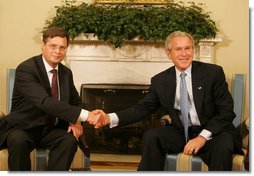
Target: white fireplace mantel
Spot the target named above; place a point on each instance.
(95, 61)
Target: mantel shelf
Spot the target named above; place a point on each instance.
(92, 39)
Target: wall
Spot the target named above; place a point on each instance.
(22, 20)
(232, 19)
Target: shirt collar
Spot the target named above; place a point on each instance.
(187, 71)
(47, 66)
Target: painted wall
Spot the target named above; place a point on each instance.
(22, 20)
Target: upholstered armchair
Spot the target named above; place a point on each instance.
(182, 162)
(38, 156)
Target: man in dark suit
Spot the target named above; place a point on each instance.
(43, 116)
(210, 132)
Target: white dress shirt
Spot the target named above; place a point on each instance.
(50, 75)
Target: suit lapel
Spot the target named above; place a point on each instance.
(198, 87)
(170, 87)
(43, 73)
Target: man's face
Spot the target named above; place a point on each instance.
(54, 50)
(181, 52)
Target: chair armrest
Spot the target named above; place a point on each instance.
(246, 158)
(247, 124)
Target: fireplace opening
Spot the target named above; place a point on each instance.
(112, 98)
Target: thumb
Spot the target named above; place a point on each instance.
(69, 129)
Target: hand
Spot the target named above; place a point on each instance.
(76, 129)
(98, 118)
(194, 145)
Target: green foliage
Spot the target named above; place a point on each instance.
(118, 23)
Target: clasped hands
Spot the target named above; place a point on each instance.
(98, 118)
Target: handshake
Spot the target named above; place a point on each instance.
(98, 118)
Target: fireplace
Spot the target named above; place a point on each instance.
(111, 98)
(115, 78)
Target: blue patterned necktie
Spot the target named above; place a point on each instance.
(184, 105)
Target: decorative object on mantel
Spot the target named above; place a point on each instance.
(117, 23)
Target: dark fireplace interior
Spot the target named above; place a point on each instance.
(111, 98)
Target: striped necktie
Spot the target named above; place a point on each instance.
(54, 85)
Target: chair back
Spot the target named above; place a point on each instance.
(10, 85)
(238, 94)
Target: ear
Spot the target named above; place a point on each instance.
(42, 46)
(168, 53)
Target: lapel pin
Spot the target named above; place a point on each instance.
(199, 88)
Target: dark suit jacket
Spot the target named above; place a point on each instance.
(31, 102)
(213, 101)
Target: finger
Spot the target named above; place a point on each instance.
(75, 135)
(69, 129)
(196, 150)
(185, 150)
(81, 130)
(96, 126)
(97, 111)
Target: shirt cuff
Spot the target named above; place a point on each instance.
(206, 134)
(83, 115)
(113, 120)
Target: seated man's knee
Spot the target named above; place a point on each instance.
(224, 146)
(70, 142)
(150, 135)
(18, 139)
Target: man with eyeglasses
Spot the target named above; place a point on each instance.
(46, 108)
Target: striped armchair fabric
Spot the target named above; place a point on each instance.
(182, 162)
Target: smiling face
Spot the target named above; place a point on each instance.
(181, 52)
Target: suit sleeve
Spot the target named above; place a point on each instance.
(33, 93)
(223, 104)
(141, 110)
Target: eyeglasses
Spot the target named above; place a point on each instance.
(54, 47)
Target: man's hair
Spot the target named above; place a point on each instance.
(168, 44)
(55, 32)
